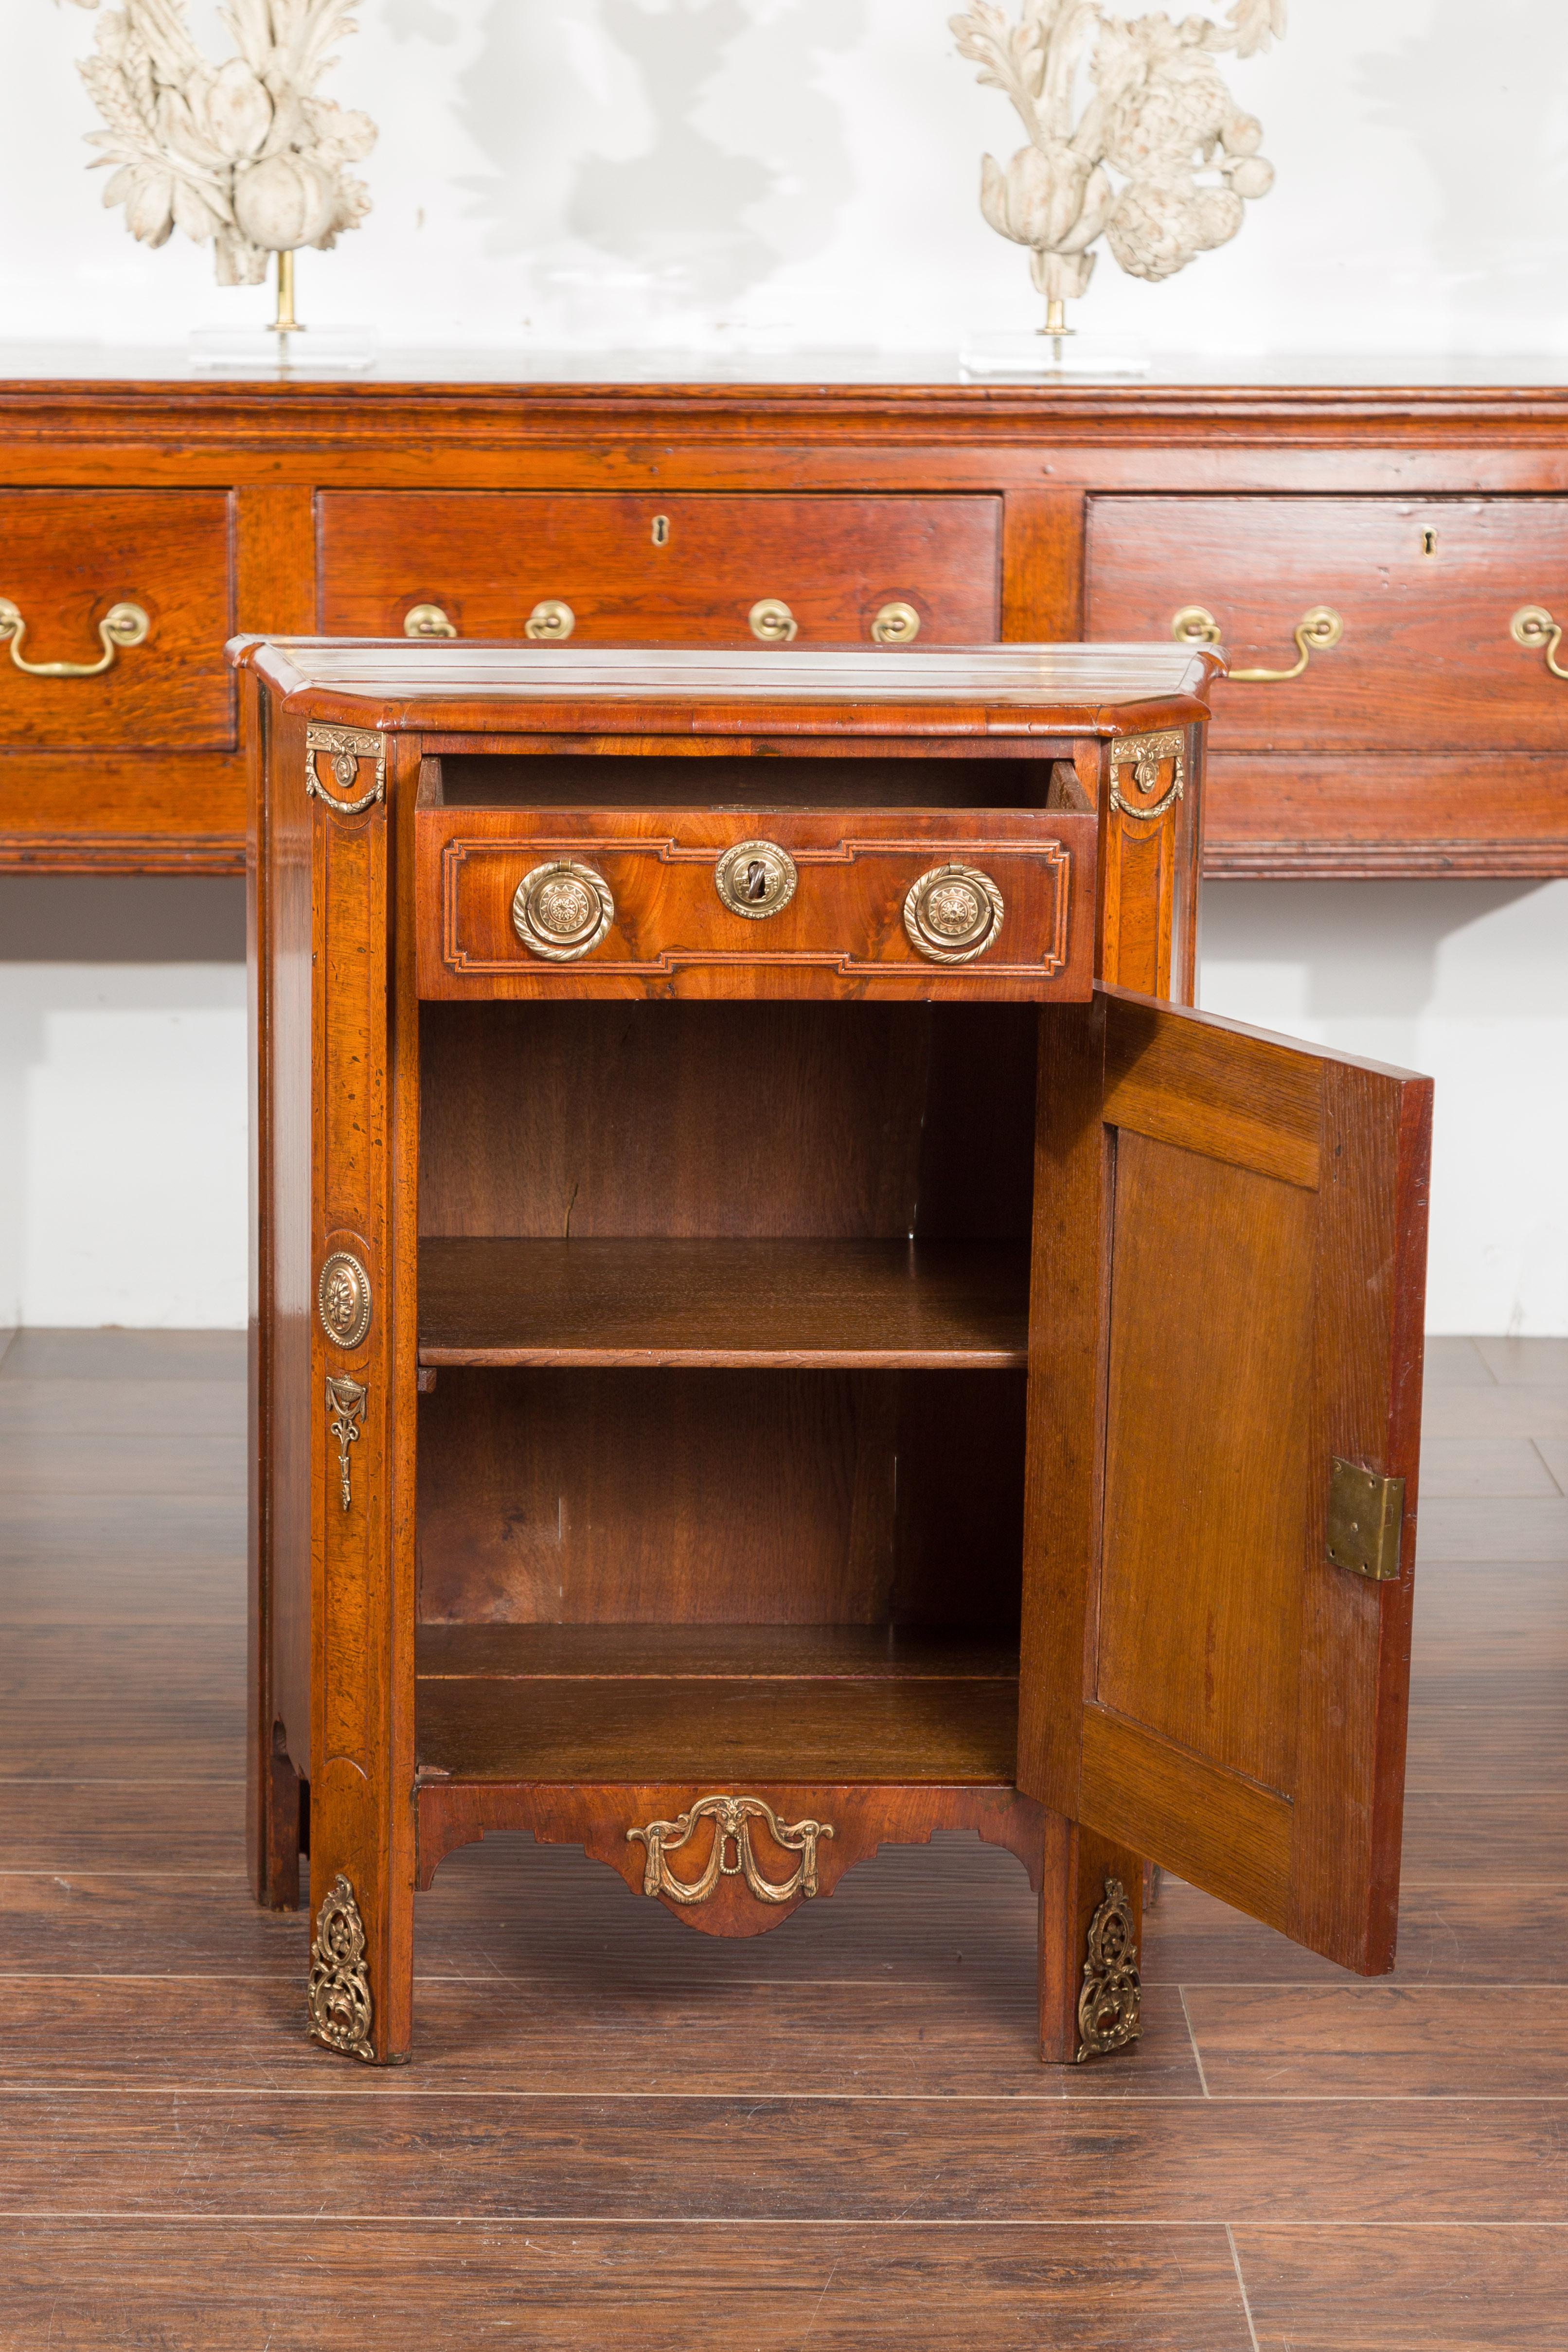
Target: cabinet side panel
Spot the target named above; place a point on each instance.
(1064, 1456)
(280, 956)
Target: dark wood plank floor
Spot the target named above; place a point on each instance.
(618, 2132)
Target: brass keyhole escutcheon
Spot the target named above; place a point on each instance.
(661, 530)
(560, 911)
(755, 878)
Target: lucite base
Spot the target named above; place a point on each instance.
(301, 350)
(1040, 358)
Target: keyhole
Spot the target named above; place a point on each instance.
(756, 880)
(661, 530)
(1429, 543)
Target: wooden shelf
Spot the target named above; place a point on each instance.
(886, 1305)
(682, 1652)
(647, 1703)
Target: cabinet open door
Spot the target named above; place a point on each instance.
(1227, 1292)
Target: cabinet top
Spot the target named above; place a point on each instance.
(392, 684)
(65, 368)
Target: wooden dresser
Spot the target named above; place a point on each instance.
(1377, 541)
(774, 1333)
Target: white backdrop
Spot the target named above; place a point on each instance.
(708, 177)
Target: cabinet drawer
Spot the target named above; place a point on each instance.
(661, 571)
(613, 903)
(1426, 663)
(66, 559)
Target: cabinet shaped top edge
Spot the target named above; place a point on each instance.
(396, 687)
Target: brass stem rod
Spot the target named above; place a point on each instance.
(286, 323)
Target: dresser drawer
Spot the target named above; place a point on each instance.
(696, 570)
(1426, 592)
(67, 560)
(901, 904)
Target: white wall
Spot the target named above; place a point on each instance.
(1462, 980)
(123, 1101)
(729, 173)
(732, 176)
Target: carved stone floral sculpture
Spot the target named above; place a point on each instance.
(245, 153)
(1160, 161)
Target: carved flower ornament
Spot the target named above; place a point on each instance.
(245, 153)
(1161, 162)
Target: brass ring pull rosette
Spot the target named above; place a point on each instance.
(755, 878)
(427, 621)
(897, 624)
(122, 625)
(343, 1300)
(773, 622)
(1317, 632)
(560, 912)
(550, 623)
(953, 914)
(1533, 627)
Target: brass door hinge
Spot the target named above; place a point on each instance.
(1366, 1521)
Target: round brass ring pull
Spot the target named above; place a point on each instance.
(427, 621)
(122, 625)
(773, 622)
(953, 914)
(1317, 632)
(1533, 627)
(755, 878)
(896, 625)
(551, 622)
(562, 910)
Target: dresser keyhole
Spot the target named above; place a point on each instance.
(756, 881)
(1429, 543)
(661, 530)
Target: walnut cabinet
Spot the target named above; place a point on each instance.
(778, 1329)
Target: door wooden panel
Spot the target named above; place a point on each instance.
(67, 557)
(1426, 663)
(1228, 1285)
(659, 570)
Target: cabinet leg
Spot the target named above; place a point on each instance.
(361, 1995)
(283, 1795)
(1079, 1871)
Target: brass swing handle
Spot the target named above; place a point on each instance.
(1318, 632)
(1535, 627)
(122, 625)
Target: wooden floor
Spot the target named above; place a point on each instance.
(618, 2133)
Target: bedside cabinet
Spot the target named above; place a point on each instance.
(775, 1333)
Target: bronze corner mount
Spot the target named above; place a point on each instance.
(1110, 2004)
(339, 2004)
(346, 747)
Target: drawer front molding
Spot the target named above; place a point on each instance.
(838, 928)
